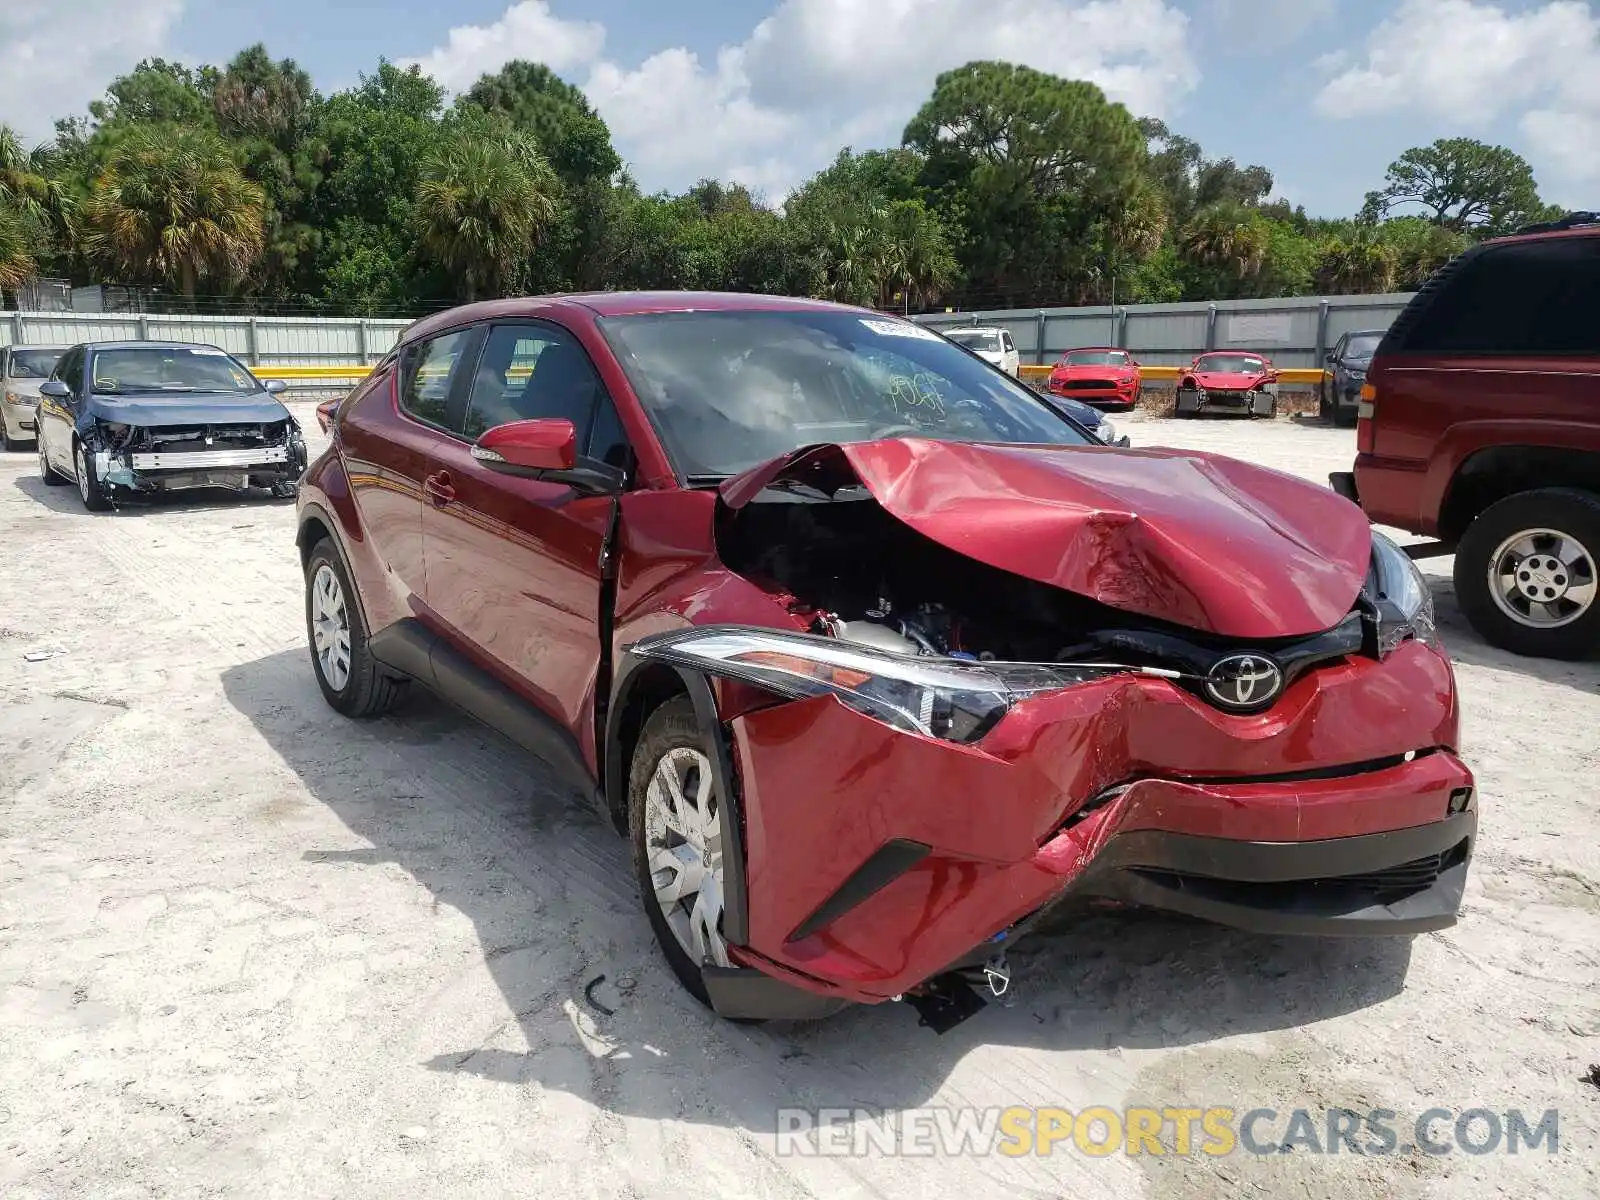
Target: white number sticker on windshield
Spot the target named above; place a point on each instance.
(905, 329)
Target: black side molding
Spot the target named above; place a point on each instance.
(410, 648)
(888, 862)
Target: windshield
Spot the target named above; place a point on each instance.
(1233, 364)
(169, 369)
(33, 364)
(983, 340)
(728, 390)
(1096, 358)
(1363, 345)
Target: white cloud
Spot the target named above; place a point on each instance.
(1473, 63)
(816, 74)
(527, 30)
(55, 57)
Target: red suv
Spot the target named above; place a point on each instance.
(1479, 427)
(876, 657)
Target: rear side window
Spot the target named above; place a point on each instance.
(1533, 299)
(429, 374)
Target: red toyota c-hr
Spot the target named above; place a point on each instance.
(875, 656)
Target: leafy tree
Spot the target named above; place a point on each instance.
(1460, 184)
(28, 186)
(485, 199)
(172, 206)
(1420, 248)
(17, 261)
(1363, 263)
(156, 92)
(570, 133)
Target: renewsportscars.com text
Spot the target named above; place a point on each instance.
(1100, 1131)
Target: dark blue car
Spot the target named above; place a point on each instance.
(120, 418)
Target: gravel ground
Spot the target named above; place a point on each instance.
(250, 948)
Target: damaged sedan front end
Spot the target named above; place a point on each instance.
(143, 417)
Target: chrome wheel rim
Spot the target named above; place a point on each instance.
(44, 463)
(683, 846)
(83, 473)
(330, 627)
(1543, 578)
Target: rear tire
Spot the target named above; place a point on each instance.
(49, 474)
(351, 680)
(680, 829)
(1551, 609)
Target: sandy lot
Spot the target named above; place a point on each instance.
(249, 948)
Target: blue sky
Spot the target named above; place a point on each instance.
(1323, 92)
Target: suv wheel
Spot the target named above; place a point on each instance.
(1528, 573)
(675, 822)
(351, 680)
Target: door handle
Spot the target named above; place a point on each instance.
(438, 488)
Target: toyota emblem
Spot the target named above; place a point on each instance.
(1244, 682)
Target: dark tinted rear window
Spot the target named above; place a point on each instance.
(1537, 299)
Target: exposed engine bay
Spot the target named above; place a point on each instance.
(866, 577)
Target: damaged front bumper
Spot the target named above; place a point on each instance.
(879, 859)
(267, 466)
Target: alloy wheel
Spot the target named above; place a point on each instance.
(1543, 578)
(683, 844)
(330, 627)
(83, 471)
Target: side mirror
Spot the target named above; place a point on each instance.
(545, 448)
(55, 389)
(275, 387)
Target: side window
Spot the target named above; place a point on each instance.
(1530, 298)
(1005, 341)
(531, 371)
(428, 373)
(5, 361)
(70, 369)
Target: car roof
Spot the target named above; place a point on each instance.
(1106, 349)
(34, 346)
(624, 304)
(138, 345)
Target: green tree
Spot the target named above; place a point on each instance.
(1359, 265)
(172, 206)
(1460, 184)
(485, 199)
(156, 92)
(17, 261)
(1032, 164)
(29, 186)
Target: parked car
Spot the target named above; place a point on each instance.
(990, 343)
(1098, 375)
(1339, 393)
(1480, 428)
(22, 370)
(119, 418)
(875, 657)
(1231, 382)
(1092, 419)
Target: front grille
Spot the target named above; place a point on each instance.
(1407, 877)
(1227, 395)
(1091, 385)
(1383, 886)
(198, 439)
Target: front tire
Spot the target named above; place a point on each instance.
(675, 825)
(90, 490)
(351, 681)
(1526, 573)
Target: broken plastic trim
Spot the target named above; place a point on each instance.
(951, 699)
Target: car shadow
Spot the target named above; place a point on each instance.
(64, 498)
(1465, 645)
(549, 889)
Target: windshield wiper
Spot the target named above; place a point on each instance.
(706, 479)
(178, 387)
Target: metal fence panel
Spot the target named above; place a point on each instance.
(277, 341)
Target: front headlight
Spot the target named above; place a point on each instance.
(946, 698)
(1401, 594)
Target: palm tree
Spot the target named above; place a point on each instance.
(1360, 265)
(482, 206)
(28, 186)
(17, 264)
(172, 205)
(1229, 237)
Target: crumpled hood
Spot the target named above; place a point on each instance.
(1227, 380)
(189, 408)
(1193, 539)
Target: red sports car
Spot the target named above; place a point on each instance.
(1229, 381)
(1098, 375)
(875, 657)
